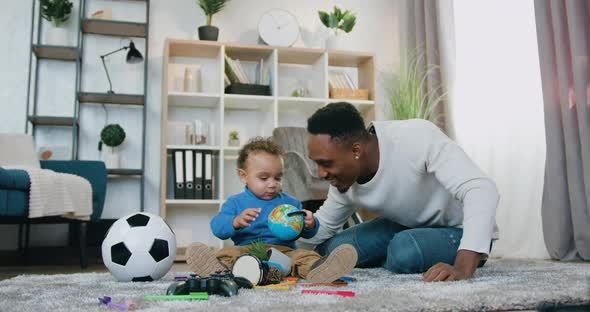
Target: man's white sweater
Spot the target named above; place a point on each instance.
(424, 180)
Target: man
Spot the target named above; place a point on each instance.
(436, 207)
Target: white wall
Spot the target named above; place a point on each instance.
(376, 31)
(497, 113)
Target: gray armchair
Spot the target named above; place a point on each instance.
(300, 178)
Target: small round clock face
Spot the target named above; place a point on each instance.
(278, 27)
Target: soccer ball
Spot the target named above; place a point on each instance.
(139, 247)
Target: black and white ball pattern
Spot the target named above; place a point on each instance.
(139, 247)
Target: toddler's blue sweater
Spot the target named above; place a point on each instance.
(222, 223)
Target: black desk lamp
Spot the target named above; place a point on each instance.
(133, 57)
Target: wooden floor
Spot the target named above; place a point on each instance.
(56, 261)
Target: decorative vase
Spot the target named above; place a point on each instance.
(62, 35)
(192, 79)
(233, 142)
(111, 160)
(57, 36)
(208, 33)
(335, 41)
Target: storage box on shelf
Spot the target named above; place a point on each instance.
(284, 69)
(360, 68)
(349, 94)
(247, 88)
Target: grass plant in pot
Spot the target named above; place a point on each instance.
(112, 135)
(58, 13)
(407, 90)
(210, 7)
(234, 138)
(337, 22)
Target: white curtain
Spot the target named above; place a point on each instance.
(496, 111)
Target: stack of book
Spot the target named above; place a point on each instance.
(236, 80)
(342, 87)
(339, 80)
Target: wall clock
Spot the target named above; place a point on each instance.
(278, 28)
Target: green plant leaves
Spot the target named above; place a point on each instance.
(56, 11)
(337, 13)
(324, 18)
(112, 135)
(348, 22)
(408, 92)
(338, 19)
(258, 250)
(211, 7)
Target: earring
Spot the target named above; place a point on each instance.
(356, 157)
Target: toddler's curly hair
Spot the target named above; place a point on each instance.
(258, 144)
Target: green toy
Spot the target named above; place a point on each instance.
(191, 296)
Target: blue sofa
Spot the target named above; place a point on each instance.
(14, 198)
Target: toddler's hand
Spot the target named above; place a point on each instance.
(309, 220)
(247, 216)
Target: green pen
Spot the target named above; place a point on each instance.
(191, 296)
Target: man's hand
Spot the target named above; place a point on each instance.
(309, 220)
(464, 267)
(247, 216)
(443, 272)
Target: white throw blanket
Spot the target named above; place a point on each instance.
(58, 194)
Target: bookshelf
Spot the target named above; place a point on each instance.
(79, 58)
(251, 115)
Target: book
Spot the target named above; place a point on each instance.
(337, 81)
(332, 81)
(230, 70)
(226, 81)
(241, 72)
(349, 82)
(260, 71)
(265, 79)
(342, 81)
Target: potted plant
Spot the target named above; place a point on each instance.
(210, 7)
(234, 138)
(112, 135)
(56, 12)
(257, 249)
(408, 94)
(337, 22)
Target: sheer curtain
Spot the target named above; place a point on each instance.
(563, 29)
(496, 110)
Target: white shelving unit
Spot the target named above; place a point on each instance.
(251, 115)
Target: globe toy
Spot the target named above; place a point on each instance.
(139, 247)
(286, 222)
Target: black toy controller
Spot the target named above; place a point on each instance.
(219, 283)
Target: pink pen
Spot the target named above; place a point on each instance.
(343, 293)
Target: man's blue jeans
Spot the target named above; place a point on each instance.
(381, 242)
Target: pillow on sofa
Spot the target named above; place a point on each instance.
(18, 150)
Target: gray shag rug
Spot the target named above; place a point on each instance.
(500, 285)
